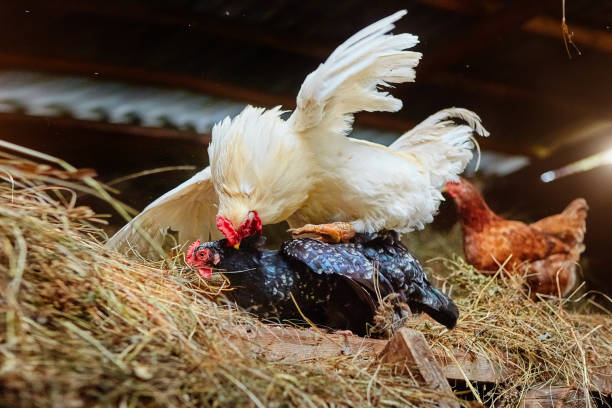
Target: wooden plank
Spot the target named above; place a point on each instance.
(505, 21)
(292, 345)
(601, 378)
(599, 40)
(509, 92)
(541, 25)
(554, 397)
(470, 8)
(379, 121)
(18, 119)
(287, 41)
(235, 29)
(408, 347)
(476, 39)
(476, 367)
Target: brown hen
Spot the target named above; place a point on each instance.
(547, 251)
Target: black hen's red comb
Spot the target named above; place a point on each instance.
(190, 252)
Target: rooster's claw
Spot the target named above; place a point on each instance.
(331, 233)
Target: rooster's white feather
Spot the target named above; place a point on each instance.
(349, 80)
(188, 209)
(442, 146)
(305, 170)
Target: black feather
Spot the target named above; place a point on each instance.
(332, 284)
(407, 278)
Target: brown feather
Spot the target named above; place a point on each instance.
(546, 251)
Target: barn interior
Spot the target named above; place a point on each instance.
(124, 87)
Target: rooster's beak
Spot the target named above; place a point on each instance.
(237, 245)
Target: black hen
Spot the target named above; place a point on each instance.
(334, 285)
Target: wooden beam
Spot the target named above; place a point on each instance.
(472, 8)
(381, 121)
(554, 397)
(409, 348)
(290, 345)
(510, 92)
(601, 378)
(551, 27)
(16, 119)
(542, 25)
(501, 17)
(284, 344)
(429, 71)
(288, 42)
(228, 27)
(503, 22)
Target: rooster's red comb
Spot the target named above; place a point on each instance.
(227, 229)
(189, 259)
(251, 226)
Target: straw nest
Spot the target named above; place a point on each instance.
(81, 326)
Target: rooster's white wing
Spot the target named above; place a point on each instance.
(190, 209)
(349, 80)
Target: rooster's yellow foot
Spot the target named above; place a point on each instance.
(330, 233)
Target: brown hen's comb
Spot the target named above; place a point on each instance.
(451, 186)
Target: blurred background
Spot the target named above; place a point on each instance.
(132, 85)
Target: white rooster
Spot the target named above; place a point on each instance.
(305, 170)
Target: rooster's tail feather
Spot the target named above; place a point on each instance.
(441, 145)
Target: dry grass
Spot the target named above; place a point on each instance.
(80, 326)
(540, 341)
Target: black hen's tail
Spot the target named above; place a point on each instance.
(436, 304)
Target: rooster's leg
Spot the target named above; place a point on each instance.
(332, 233)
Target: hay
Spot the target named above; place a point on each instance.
(81, 326)
(539, 340)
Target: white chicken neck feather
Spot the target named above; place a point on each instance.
(256, 165)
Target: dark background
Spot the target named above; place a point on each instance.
(506, 60)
